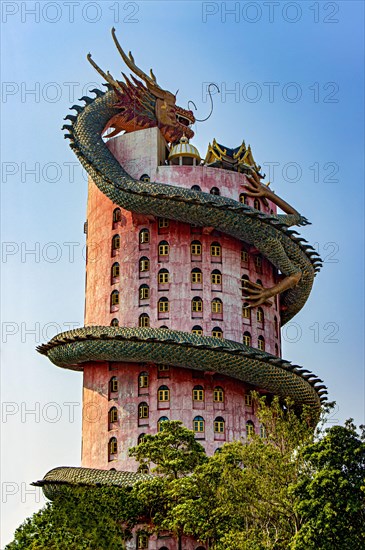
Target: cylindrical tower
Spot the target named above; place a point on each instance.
(178, 248)
(146, 271)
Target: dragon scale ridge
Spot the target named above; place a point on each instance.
(270, 234)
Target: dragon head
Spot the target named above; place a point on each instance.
(145, 104)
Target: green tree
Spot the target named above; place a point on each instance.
(243, 492)
(173, 453)
(80, 518)
(330, 493)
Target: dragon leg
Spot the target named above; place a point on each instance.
(276, 253)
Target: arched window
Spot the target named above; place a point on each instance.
(143, 469)
(196, 248)
(163, 248)
(261, 343)
(198, 393)
(244, 255)
(143, 380)
(247, 338)
(142, 539)
(196, 276)
(215, 250)
(114, 322)
(144, 320)
(219, 425)
(160, 423)
(163, 223)
(163, 305)
(243, 198)
(260, 315)
(217, 306)
(257, 204)
(196, 304)
(113, 415)
(163, 394)
(217, 332)
(144, 292)
(244, 283)
(165, 327)
(197, 330)
(144, 264)
(113, 384)
(216, 277)
(195, 188)
(115, 270)
(112, 447)
(141, 439)
(214, 191)
(117, 215)
(115, 242)
(246, 311)
(143, 410)
(276, 327)
(250, 428)
(114, 298)
(145, 178)
(198, 424)
(259, 282)
(163, 277)
(218, 395)
(144, 236)
(262, 431)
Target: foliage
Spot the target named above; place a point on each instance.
(174, 450)
(240, 497)
(175, 453)
(296, 488)
(80, 518)
(330, 494)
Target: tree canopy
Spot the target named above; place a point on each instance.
(291, 487)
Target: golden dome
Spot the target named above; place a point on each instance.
(184, 149)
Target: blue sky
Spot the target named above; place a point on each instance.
(295, 74)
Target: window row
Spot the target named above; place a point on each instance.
(163, 278)
(163, 393)
(196, 246)
(198, 392)
(248, 341)
(198, 426)
(163, 306)
(260, 317)
(163, 247)
(244, 200)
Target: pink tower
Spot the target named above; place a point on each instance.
(145, 271)
(190, 274)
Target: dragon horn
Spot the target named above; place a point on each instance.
(129, 61)
(107, 76)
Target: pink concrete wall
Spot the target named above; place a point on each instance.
(143, 153)
(98, 400)
(179, 262)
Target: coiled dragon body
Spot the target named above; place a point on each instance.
(270, 234)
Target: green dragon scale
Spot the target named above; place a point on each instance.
(270, 234)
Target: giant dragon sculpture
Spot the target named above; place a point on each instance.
(131, 106)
